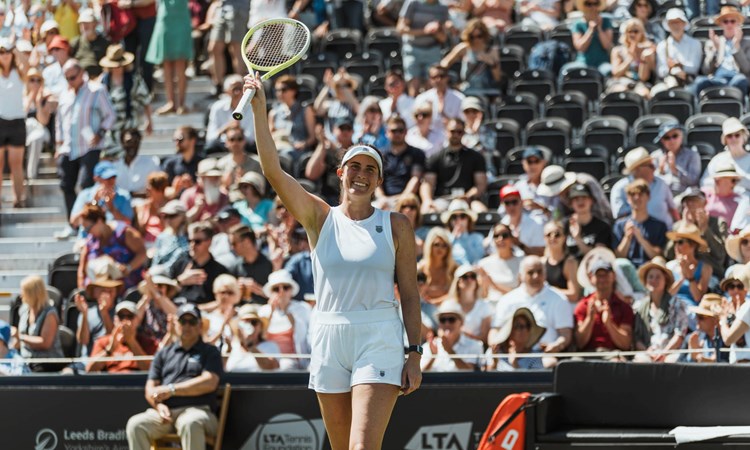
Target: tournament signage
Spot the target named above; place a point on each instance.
(439, 416)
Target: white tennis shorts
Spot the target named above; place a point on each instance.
(356, 347)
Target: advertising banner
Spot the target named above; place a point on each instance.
(261, 417)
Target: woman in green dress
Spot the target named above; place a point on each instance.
(171, 46)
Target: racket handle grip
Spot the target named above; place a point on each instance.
(246, 97)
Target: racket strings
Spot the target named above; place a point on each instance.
(275, 44)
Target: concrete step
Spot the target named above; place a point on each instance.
(31, 230)
(11, 279)
(34, 245)
(27, 261)
(33, 215)
(195, 84)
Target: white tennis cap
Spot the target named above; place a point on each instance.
(363, 150)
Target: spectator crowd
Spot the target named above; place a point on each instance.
(520, 258)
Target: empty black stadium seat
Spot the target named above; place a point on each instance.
(384, 40)
(627, 105)
(728, 100)
(524, 35)
(610, 132)
(523, 107)
(500, 136)
(586, 80)
(595, 166)
(63, 273)
(551, 132)
(571, 106)
(677, 102)
(589, 151)
(343, 41)
(704, 149)
(562, 33)
(705, 128)
(539, 82)
(609, 181)
(512, 60)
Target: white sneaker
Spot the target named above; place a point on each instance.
(65, 234)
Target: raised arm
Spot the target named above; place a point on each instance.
(308, 209)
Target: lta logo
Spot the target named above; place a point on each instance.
(451, 436)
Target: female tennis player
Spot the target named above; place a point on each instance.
(357, 367)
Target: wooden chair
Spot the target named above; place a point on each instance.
(172, 441)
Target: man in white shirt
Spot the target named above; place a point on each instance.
(551, 310)
(446, 102)
(398, 101)
(133, 169)
(438, 354)
(220, 117)
(678, 57)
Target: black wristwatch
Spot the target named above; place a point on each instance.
(414, 348)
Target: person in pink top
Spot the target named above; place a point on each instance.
(722, 198)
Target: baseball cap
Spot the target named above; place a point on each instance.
(343, 121)
(126, 305)
(363, 150)
(59, 42)
(86, 15)
(598, 265)
(579, 190)
(508, 190)
(228, 213)
(105, 170)
(47, 26)
(189, 308)
(533, 152)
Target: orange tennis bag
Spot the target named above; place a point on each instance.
(507, 428)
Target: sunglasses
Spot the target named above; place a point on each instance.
(734, 135)
(236, 139)
(283, 89)
(411, 207)
(681, 241)
(438, 76)
(456, 131)
(729, 21)
(553, 234)
(440, 245)
(179, 139)
(591, 4)
(520, 327)
(643, 5)
(460, 216)
(196, 241)
(448, 319)
(744, 242)
(669, 137)
(534, 272)
(125, 316)
(35, 80)
(511, 202)
(731, 286)
(72, 77)
(533, 161)
(237, 89)
(373, 110)
(253, 322)
(284, 287)
(192, 321)
(634, 31)
(4, 52)
(169, 216)
(396, 130)
(421, 115)
(468, 276)
(346, 128)
(343, 86)
(476, 36)
(634, 194)
(504, 235)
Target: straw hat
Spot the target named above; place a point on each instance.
(255, 180)
(103, 268)
(710, 305)
(688, 231)
(581, 7)
(729, 11)
(554, 180)
(730, 126)
(116, 56)
(741, 273)
(502, 334)
(656, 263)
(457, 206)
(173, 286)
(733, 242)
(280, 277)
(595, 254)
(636, 158)
(250, 312)
(727, 170)
(103, 282)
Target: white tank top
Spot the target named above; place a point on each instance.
(11, 91)
(354, 263)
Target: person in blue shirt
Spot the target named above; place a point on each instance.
(11, 362)
(460, 220)
(639, 237)
(299, 263)
(113, 200)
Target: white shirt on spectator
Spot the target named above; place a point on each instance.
(404, 108)
(741, 218)
(688, 52)
(221, 250)
(530, 230)
(220, 114)
(723, 159)
(550, 309)
(501, 271)
(735, 355)
(451, 105)
(431, 144)
(443, 361)
(54, 79)
(240, 360)
(133, 178)
(474, 318)
(279, 323)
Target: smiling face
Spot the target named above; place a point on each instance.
(360, 176)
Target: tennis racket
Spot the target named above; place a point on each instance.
(270, 47)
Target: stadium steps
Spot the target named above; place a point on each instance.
(27, 245)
